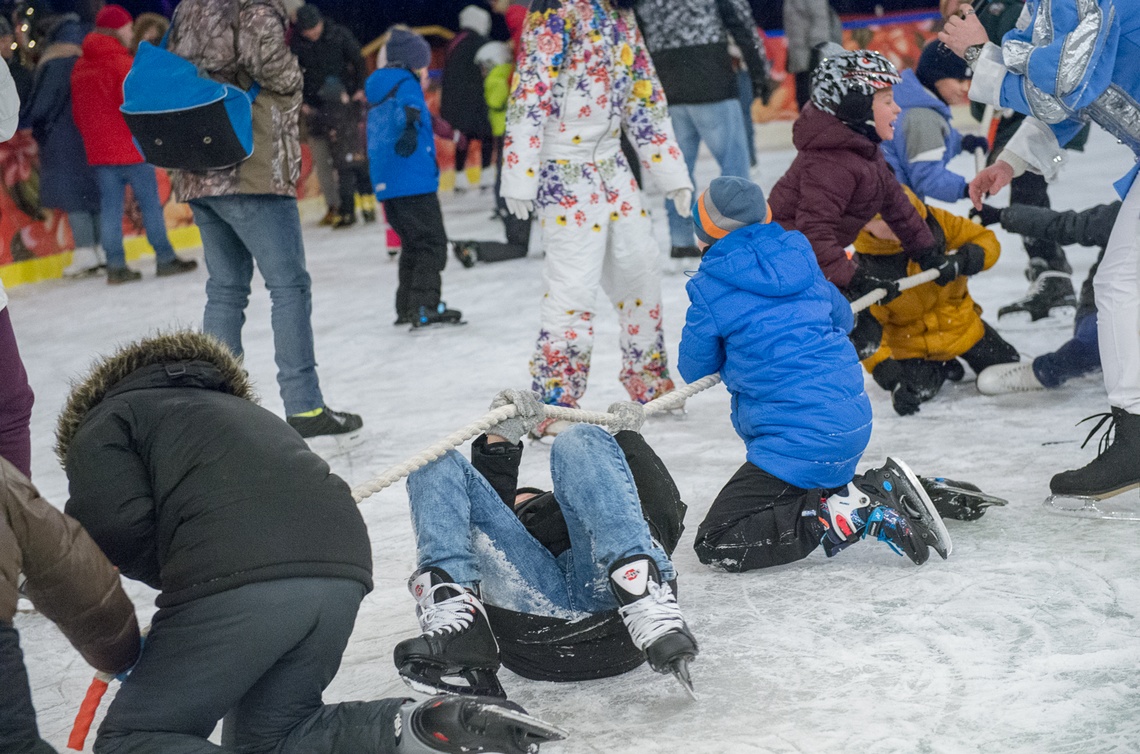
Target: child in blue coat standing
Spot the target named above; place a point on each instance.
(763, 317)
(405, 176)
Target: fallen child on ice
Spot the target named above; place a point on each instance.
(545, 579)
(764, 318)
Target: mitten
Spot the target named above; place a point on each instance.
(905, 400)
(923, 377)
(627, 416)
(987, 215)
(971, 143)
(970, 259)
(867, 335)
(863, 283)
(406, 144)
(529, 411)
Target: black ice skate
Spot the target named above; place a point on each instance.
(896, 486)
(851, 514)
(471, 724)
(958, 500)
(456, 643)
(467, 252)
(1101, 489)
(653, 617)
(428, 318)
(1050, 294)
(325, 421)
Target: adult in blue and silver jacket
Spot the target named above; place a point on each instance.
(763, 317)
(925, 141)
(1066, 62)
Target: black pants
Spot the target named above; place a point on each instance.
(486, 147)
(18, 731)
(261, 656)
(518, 231)
(418, 221)
(991, 349)
(352, 180)
(1031, 188)
(759, 521)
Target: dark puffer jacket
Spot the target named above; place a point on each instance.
(192, 488)
(598, 646)
(462, 103)
(837, 183)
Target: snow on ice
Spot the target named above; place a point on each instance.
(1026, 640)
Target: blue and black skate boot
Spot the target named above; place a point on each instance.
(894, 485)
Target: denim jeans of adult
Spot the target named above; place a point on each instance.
(596, 492)
(261, 656)
(84, 228)
(719, 125)
(237, 231)
(113, 181)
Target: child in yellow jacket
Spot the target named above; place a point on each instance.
(928, 327)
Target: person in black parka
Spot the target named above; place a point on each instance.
(462, 103)
(258, 551)
(67, 182)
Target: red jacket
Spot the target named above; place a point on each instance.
(96, 95)
(839, 181)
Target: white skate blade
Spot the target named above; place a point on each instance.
(435, 327)
(1059, 316)
(1119, 505)
(944, 546)
(541, 728)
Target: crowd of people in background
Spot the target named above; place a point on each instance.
(575, 105)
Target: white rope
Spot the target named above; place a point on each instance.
(670, 401)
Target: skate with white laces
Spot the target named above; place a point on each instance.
(456, 653)
(650, 612)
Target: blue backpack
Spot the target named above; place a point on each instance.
(182, 120)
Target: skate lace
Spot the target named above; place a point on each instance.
(453, 614)
(652, 616)
(1106, 438)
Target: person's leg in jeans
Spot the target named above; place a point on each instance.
(16, 399)
(689, 140)
(269, 230)
(744, 92)
(462, 526)
(265, 652)
(112, 188)
(758, 521)
(1079, 355)
(230, 269)
(419, 222)
(145, 185)
(595, 489)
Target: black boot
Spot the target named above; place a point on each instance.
(467, 252)
(653, 617)
(456, 725)
(1050, 290)
(1115, 469)
(325, 422)
(441, 315)
(457, 640)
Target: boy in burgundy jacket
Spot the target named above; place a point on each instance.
(839, 180)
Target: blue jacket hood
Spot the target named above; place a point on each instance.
(759, 259)
(911, 93)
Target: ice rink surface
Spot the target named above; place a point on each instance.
(1026, 640)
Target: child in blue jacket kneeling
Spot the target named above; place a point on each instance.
(763, 317)
(405, 176)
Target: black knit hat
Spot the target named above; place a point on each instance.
(308, 16)
(937, 62)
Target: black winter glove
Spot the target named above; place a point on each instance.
(910, 382)
(987, 215)
(764, 90)
(970, 143)
(970, 258)
(406, 144)
(905, 399)
(933, 259)
(863, 283)
(866, 335)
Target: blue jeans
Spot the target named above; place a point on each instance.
(720, 126)
(1080, 355)
(113, 181)
(595, 489)
(237, 231)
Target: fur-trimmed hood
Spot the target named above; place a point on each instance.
(163, 348)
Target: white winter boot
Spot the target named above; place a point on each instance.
(85, 262)
(1016, 377)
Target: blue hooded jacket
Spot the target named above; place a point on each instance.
(764, 317)
(924, 143)
(392, 94)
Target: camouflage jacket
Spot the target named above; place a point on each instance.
(241, 42)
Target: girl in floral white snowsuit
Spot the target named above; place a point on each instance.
(583, 75)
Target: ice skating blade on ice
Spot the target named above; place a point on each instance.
(1123, 506)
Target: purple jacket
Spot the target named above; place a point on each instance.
(837, 183)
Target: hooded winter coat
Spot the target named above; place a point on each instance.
(461, 101)
(192, 488)
(97, 95)
(241, 49)
(70, 582)
(764, 318)
(932, 322)
(924, 143)
(838, 181)
(66, 180)
(394, 94)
